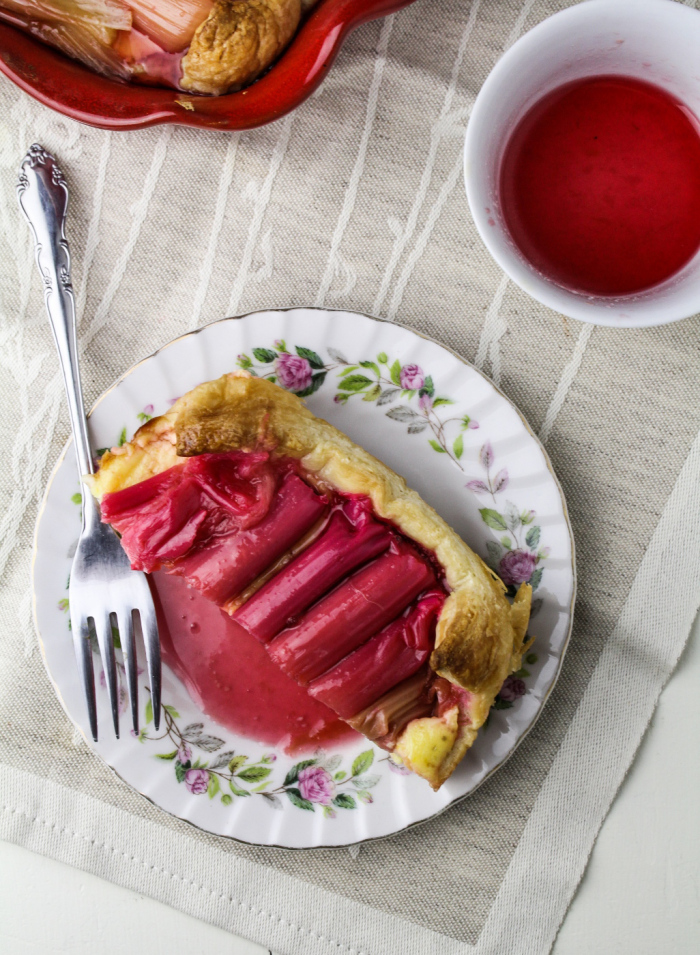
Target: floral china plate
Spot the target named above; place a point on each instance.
(458, 441)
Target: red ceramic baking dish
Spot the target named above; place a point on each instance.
(70, 88)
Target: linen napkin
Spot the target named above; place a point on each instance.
(355, 200)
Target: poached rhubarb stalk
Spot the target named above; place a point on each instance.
(351, 538)
(409, 700)
(143, 40)
(225, 567)
(353, 612)
(85, 31)
(162, 518)
(95, 14)
(158, 519)
(390, 657)
(217, 520)
(170, 23)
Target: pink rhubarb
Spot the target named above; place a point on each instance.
(352, 613)
(384, 719)
(351, 539)
(218, 519)
(393, 655)
(226, 566)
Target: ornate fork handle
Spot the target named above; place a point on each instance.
(103, 587)
(43, 197)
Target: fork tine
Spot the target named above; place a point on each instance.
(83, 656)
(103, 629)
(125, 624)
(149, 628)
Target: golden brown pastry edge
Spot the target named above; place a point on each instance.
(237, 41)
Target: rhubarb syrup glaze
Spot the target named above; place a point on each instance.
(229, 674)
(600, 185)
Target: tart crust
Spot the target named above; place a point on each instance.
(237, 41)
(480, 636)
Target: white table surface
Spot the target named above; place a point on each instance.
(640, 894)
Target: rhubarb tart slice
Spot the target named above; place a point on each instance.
(354, 586)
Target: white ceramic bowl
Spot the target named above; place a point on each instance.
(653, 40)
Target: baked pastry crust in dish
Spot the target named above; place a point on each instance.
(203, 46)
(238, 40)
(479, 635)
(76, 90)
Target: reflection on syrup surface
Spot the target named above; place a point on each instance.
(229, 674)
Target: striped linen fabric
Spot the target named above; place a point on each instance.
(356, 200)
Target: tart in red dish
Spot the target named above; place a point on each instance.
(199, 46)
(355, 587)
(78, 91)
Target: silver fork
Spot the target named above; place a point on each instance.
(105, 594)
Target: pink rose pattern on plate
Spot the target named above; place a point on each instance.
(320, 782)
(514, 685)
(293, 373)
(408, 389)
(223, 774)
(411, 377)
(302, 372)
(197, 781)
(517, 567)
(513, 688)
(316, 784)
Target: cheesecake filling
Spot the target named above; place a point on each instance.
(340, 600)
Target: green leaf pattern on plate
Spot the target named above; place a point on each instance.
(310, 784)
(408, 389)
(516, 556)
